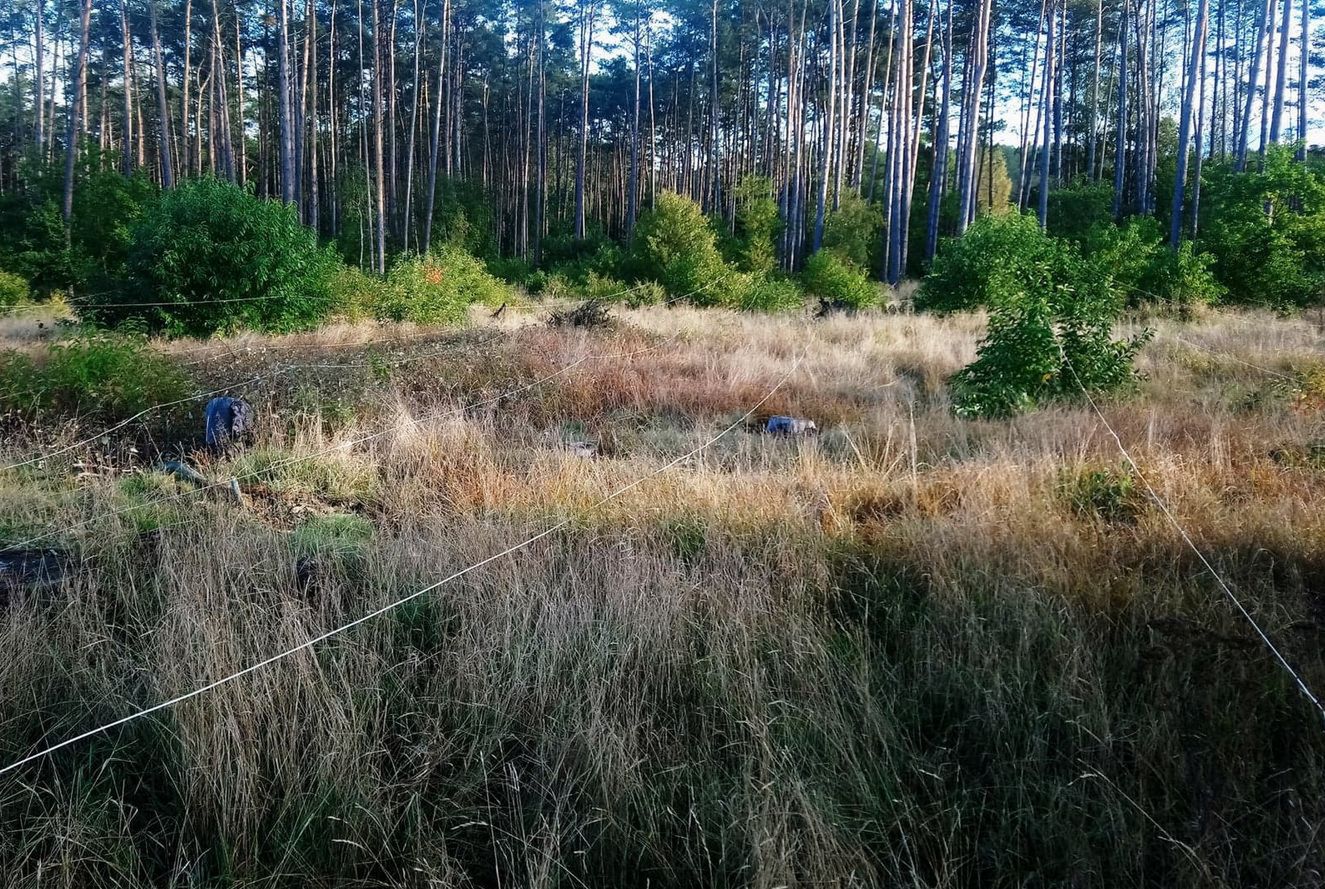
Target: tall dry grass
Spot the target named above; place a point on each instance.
(912, 651)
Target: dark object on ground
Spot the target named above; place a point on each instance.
(501, 308)
(832, 306)
(790, 426)
(30, 569)
(184, 472)
(587, 314)
(228, 419)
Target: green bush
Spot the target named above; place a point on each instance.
(838, 282)
(1050, 336)
(13, 290)
(1076, 209)
(773, 294)
(1266, 232)
(354, 293)
(676, 246)
(105, 377)
(1105, 493)
(1136, 256)
(438, 288)
(998, 253)
(852, 231)
(219, 259)
(757, 225)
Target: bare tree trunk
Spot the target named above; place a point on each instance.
(163, 107)
(632, 184)
(436, 132)
(1095, 90)
(940, 168)
(1050, 77)
(1281, 80)
(283, 90)
(827, 128)
(126, 161)
(186, 159)
(1120, 146)
(39, 85)
(1243, 136)
(76, 110)
(1189, 103)
(586, 11)
(1302, 94)
(379, 172)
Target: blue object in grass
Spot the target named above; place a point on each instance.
(781, 425)
(228, 419)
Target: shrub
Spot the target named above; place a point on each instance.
(13, 290)
(103, 376)
(1105, 493)
(773, 295)
(1048, 337)
(838, 282)
(438, 288)
(676, 246)
(852, 231)
(219, 259)
(1266, 232)
(1137, 258)
(993, 260)
(757, 225)
(355, 294)
(1076, 209)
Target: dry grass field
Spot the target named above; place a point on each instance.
(912, 650)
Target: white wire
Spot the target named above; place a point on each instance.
(1228, 591)
(401, 601)
(1232, 357)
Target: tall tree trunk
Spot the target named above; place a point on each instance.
(587, 11)
(283, 98)
(940, 167)
(76, 110)
(1281, 79)
(186, 157)
(1050, 79)
(1302, 92)
(39, 85)
(827, 128)
(126, 160)
(436, 131)
(163, 107)
(1095, 90)
(1120, 137)
(1189, 104)
(632, 184)
(1243, 136)
(379, 162)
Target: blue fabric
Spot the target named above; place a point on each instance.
(227, 418)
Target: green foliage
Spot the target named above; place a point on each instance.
(354, 293)
(1049, 336)
(838, 282)
(1136, 256)
(13, 290)
(773, 294)
(1106, 493)
(676, 246)
(758, 223)
(32, 241)
(990, 263)
(1266, 232)
(462, 218)
(1076, 210)
(218, 259)
(438, 288)
(103, 376)
(852, 230)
